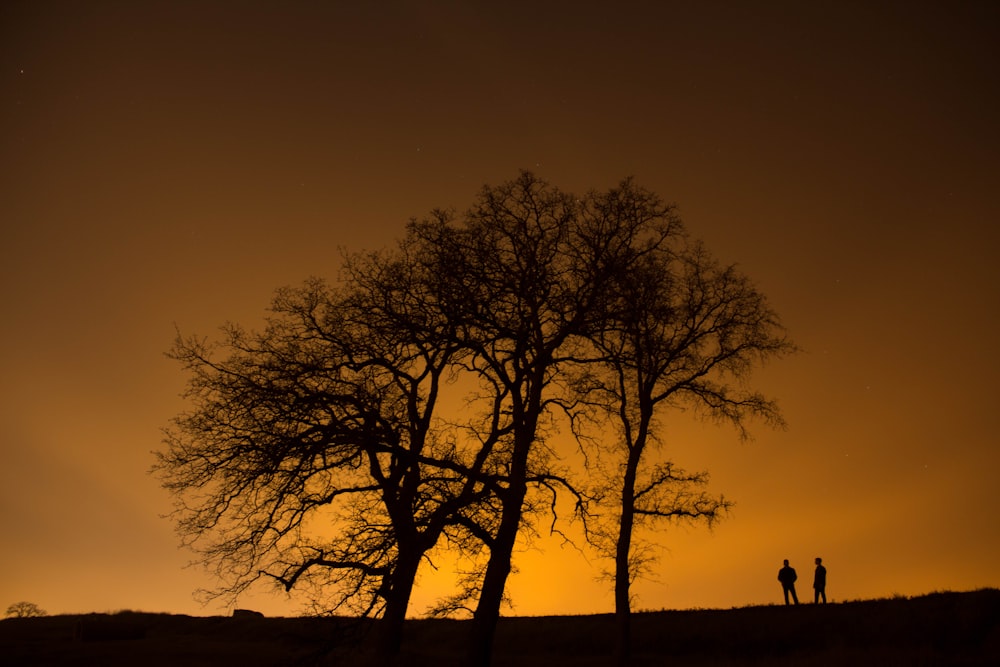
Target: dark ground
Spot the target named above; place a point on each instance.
(937, 629)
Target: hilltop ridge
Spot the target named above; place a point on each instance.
(944, 628)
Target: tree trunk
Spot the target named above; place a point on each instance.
(623, 547)
(390, 637)
(487, 614)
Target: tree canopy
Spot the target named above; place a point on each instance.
(326, 453)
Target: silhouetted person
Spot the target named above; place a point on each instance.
(819, 581)
(787, 577)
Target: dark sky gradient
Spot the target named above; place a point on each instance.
(172, 163)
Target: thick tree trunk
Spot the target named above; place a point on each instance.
(390, 632)
(487, 614)
(623, 547)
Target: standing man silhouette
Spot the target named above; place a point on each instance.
(787, 577)
(819, 581)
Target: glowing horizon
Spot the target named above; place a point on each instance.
(164, 167)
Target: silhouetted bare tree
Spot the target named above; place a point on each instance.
(531, 271)
(316, 453)
(24, 610)
(681, 332)
(310, 456)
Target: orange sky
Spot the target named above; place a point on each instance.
(172, 163)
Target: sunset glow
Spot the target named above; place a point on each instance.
(166, 167)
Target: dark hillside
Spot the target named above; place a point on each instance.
(937, 629)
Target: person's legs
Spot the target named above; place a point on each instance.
(785, 589)
(794, 596)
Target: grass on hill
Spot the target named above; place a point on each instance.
(937, 629)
